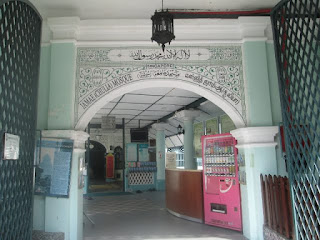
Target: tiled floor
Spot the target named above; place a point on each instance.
(143, 217)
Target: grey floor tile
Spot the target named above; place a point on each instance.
(144, 217)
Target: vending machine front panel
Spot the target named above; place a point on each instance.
(212, 185)
(220, 180)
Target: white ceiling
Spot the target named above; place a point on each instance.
(146, 106)
(137, 9)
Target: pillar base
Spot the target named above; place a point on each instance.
(256, 147)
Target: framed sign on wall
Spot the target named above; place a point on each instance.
(54, 170)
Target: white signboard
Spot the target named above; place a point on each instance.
(11, 146)
(171, 158)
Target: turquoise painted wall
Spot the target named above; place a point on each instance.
(274, 87)
(76, 199)
(38, 212)
(160, 157)
(263, 99)
(62, 86)
(257, 160)
(42, 123)
(275, 104)
(189, 158)
(55, 112)
(257, 84)
(66, 214)
(263, 109)
(44, 87)
(161, 153)
(57, 215)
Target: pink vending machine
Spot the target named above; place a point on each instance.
(220, 182)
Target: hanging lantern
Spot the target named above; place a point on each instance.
(180, 129)
(162, 28)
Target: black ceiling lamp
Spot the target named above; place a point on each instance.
(180, 129)
(162, 27)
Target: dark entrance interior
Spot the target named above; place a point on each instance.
(97, 161)
(97, 168)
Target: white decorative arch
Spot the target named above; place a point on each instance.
(172, 83)
(214, 72)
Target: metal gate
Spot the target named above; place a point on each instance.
(20, 29)
(296, 34)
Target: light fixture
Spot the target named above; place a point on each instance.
(162, 27)
(180, 129)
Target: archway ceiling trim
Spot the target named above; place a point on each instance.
(117, 32)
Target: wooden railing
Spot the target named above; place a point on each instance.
(277, 204)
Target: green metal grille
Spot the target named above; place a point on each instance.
(296, 34)
(20, 28)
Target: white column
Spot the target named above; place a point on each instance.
(66, 214)
(257, 146)
(188, 117)
(161, 152)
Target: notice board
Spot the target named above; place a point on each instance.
(171, 160)
(54, 170)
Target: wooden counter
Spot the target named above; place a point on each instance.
(184, 197)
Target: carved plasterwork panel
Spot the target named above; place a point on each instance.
(217, 69)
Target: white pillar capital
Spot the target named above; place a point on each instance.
(64, 28)
(255, 136)
(255, 28)
(79, 137)
(159, 126)
(188, 115)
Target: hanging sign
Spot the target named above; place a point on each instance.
(11, 147)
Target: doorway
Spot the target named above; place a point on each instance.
(140, 109)
(114, 85)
